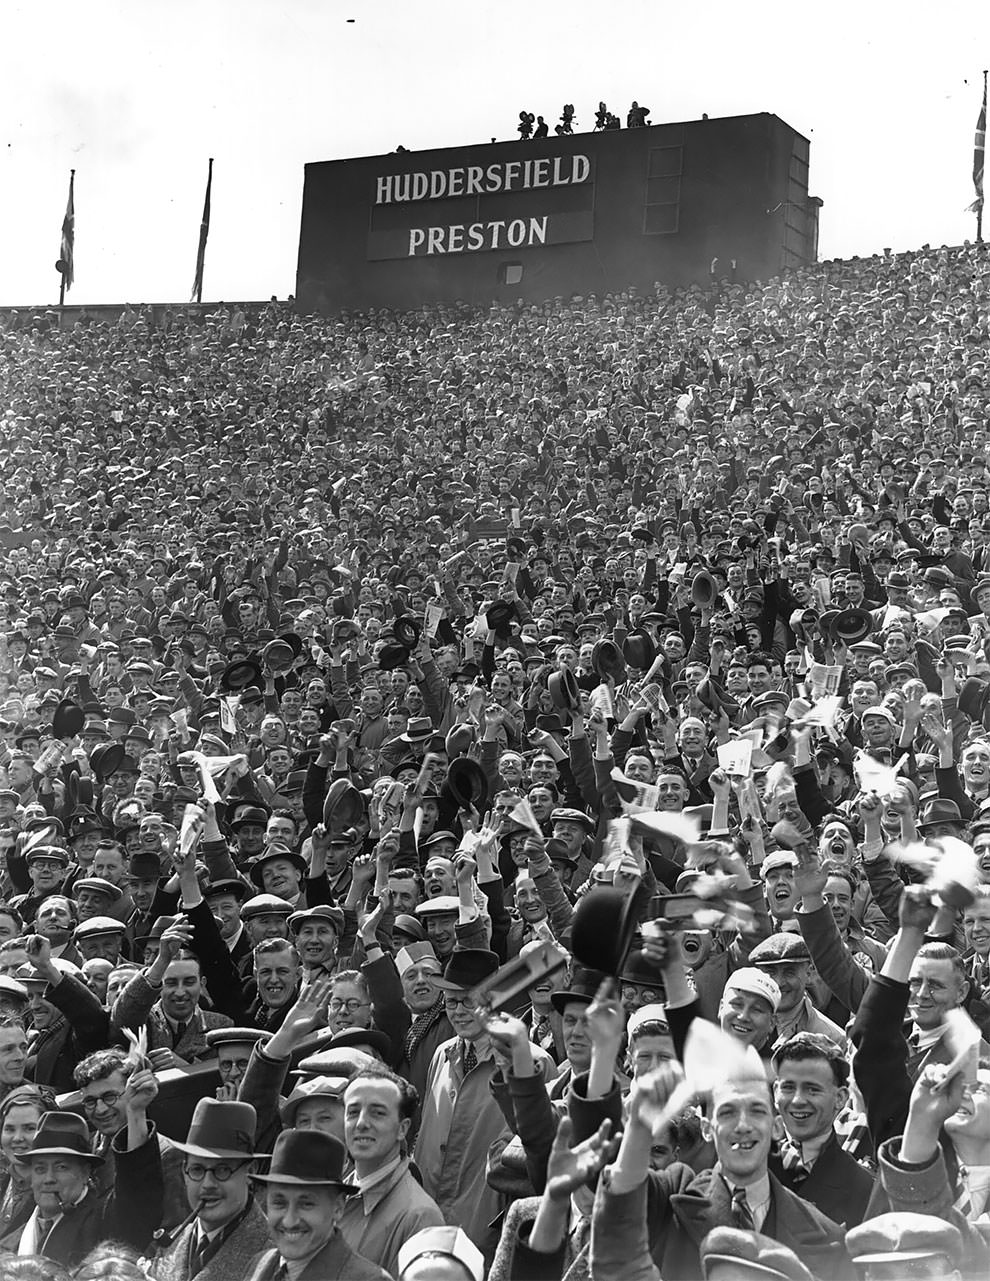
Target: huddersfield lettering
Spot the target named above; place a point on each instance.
(477, 236)
(474, 180)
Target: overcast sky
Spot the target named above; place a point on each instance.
(136, 96)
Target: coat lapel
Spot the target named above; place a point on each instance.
(705, 1205)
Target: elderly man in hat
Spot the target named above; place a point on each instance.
(70, 1216)
(305, 1198)
(461, 1119)
(226, 1229)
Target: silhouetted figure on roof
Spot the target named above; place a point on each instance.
(542, 128)
(636, 118)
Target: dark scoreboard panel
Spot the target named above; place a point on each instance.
(590, 213)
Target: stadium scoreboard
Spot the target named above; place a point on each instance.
(579, 214)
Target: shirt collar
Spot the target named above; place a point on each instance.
(373, 1186)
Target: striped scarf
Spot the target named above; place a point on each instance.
(422, 1024)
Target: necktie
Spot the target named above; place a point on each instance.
(793, 1161)
(42, 1227)
(178, 1034)
(542, 1030)
(963, 1202)
(742, 1216)
(469, 1057)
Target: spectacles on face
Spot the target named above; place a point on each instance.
(108, 1100)
(350, 1006)
(454, 1002)
(221, 1172)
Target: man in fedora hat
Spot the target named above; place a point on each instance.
(305, 1196)
(226, 1229)
(70, 1216)
(461, 1119)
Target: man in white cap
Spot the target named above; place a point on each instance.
(440, 1254)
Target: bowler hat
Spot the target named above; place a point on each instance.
(583, 987)
(499, 616)
(466, 784)
(607, 660)
(564, 693)
(62, 1134)
(639, 650)
(68, 719)
(106, 760)
(392, 656)
(240, 674)
(245, 814)
(602, 929)
(703, 589)
(278, 656)
(221, 1131)
(850, 626)
(467, 968)
(407, 631)
(309, 1158)
(343, 806)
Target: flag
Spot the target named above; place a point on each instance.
(204, 231)
(68, 245)
(979, 151)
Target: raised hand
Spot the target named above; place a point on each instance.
(570, 1168)
(465, 868)
(606, 1018)
(916, 910)
(368, 922)
(650, 1094)
(140, 1091)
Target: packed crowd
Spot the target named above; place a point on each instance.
(500, 793)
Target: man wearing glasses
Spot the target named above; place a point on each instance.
(350, 1001)
(226, 1228)
(101, 1078)
(461, 1119)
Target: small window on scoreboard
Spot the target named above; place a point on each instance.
(510, 273)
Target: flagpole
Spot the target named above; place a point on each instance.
(62, 264)
(204, 231)
(979, 207)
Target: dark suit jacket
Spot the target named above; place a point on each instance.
(837, 1185)
(232, 1259)
(84, 1026)
(131, 1213)
(335, 1262)
(683, 1207)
